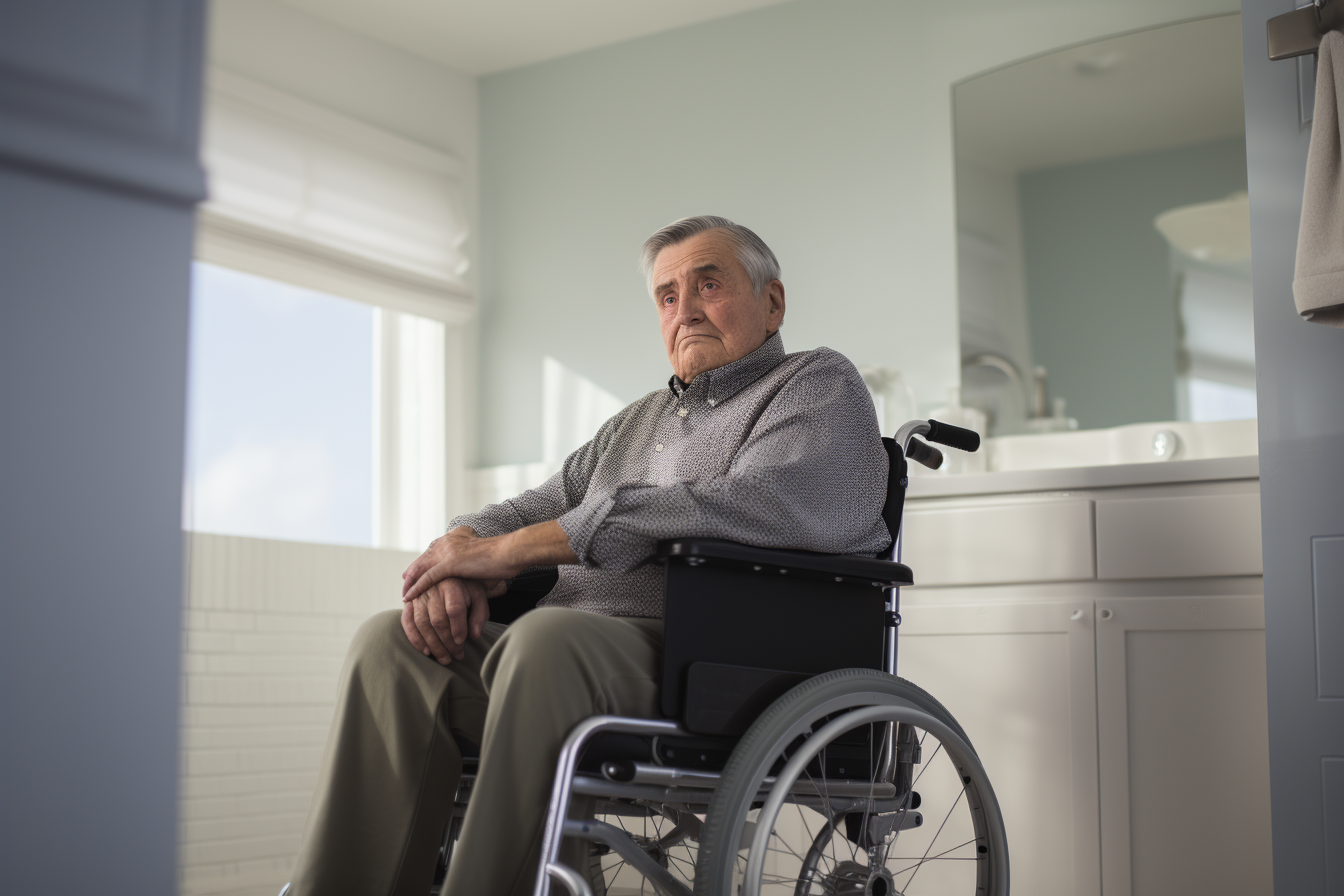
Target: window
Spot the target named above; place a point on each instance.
(311, 417)
(280, 438)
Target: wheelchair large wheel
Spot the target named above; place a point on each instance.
(855, 782)
(655, 830)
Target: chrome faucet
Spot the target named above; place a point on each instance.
(1035, 398)
(1004, 366)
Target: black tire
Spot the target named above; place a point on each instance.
(836, 711)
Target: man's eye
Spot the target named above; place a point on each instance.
(709, 285)
(668, 300)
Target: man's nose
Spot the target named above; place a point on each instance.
(690, 309)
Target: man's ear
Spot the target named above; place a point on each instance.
(774, 294)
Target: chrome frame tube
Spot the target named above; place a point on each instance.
(572, 880)
(564, 778)
(887, 758)
(646, 773)
(587, 785)
(903, 436)
(620, 842)
(893, 606)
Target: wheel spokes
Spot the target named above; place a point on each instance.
(828, 868)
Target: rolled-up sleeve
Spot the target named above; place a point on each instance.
(810, 475)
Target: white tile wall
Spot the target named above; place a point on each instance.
(267, 625)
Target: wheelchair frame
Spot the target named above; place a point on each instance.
(644, 789)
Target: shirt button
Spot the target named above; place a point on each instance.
(681, 412)
(658, 447)
(711, 402)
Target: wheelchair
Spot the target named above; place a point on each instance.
(791, 758)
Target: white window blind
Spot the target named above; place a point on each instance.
(300, 195)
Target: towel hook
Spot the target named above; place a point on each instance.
(1299, 32)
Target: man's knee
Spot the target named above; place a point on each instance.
(545, 643)
(546, 625)
(557, 649)
(380, 634)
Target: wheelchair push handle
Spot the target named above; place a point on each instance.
(934, 431)
(924, 453)
(953, 436)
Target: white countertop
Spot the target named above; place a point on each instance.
(1066, 478)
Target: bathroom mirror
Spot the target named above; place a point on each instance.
(1103, 233)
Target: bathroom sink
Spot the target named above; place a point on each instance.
(1131, 444)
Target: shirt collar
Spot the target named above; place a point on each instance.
(724, 382)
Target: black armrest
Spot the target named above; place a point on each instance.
(805, 564)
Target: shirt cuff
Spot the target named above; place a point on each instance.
(582, 522)
(480, 524)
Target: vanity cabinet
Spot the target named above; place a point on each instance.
(1100, 636)
(1184, 745)
(1020, 678)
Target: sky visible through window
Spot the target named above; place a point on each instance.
(280, 411)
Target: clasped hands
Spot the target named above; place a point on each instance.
(445, 593)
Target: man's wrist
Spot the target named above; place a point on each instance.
(542, 544)
(512, 550)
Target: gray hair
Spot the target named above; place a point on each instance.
(752, 252)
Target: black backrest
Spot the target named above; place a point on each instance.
(896, 483)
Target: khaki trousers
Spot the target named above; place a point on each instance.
(392, 761)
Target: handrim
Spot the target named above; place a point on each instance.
(849, 691)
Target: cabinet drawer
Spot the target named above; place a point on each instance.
(1039, 541)
(1195, 535)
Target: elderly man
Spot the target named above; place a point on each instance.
(745, 443)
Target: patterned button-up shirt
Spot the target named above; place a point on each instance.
(773, 450)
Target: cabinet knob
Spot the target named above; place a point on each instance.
(1076, 615)
(1104, 614)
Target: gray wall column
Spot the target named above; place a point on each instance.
(1299, 372)
(99, 175)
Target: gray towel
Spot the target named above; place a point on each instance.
(1318, 283)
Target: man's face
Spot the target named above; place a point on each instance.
(707, 310)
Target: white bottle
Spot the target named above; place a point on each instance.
(892, 398)
(954, 459)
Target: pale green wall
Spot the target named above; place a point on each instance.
(823, 124)
(1099, 281)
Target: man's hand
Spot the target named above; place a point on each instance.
(462, 554)
(439, 549)
(439, 622)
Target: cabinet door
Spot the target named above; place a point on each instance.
(1020, 678)
(1184, 746)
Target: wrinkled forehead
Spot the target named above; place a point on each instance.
(713, 250)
